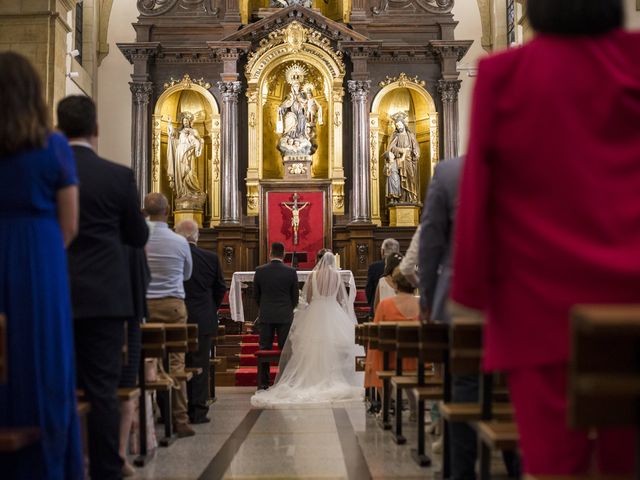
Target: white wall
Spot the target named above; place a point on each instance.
(114, 96)
(633, 15)
(467, 13)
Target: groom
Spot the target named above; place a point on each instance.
(275, 288)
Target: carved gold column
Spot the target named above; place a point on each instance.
(255, 150)
(337, 167)
(374, 141)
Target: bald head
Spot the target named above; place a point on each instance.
(189, 230)
(156, 206)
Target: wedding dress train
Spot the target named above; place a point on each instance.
(317, 365)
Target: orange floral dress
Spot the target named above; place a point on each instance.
(387, 311)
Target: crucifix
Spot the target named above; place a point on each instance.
(295, 208)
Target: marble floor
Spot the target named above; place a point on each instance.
(339, 442)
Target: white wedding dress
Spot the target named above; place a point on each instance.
(317, 365)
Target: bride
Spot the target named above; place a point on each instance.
(317, 364)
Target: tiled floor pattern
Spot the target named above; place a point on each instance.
(304, 443)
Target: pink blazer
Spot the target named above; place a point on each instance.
(549, 212)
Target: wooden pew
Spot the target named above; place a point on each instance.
(599, 377)
(215, 361)
(433, 348)
(493, 421)
(386, 343)
(12, 439)
(407, 346)
(153, 340)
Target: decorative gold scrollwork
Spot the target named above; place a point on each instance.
(187, 82)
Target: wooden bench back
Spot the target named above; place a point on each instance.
(387, 336)
(177, 337)
(408, 339)
(153, 339)
(434, 342)
(192, 336)
(3, 349)
(466, 346)
(604, 372)
(373, 335)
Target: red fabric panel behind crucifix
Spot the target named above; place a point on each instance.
(310, 231)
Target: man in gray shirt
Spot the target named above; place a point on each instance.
(169, 258)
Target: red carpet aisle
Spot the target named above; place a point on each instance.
(247, 371)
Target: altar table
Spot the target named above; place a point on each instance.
(239, 278)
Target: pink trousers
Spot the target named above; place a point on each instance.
(548, 445)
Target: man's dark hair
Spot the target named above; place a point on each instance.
(575, 17)
(77, 116)
(25, 124)
(277, 250)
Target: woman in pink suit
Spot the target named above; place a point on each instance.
(549, 213)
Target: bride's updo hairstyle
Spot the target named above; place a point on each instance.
(391, 261)
(401, 282)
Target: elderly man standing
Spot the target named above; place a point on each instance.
(204, 293)
(170, 262)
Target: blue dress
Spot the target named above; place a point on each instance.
(34, 295)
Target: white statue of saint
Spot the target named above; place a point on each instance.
(183, 149)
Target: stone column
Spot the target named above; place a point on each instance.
(230, 213)
(449, 53)
(141, 93)
(361, 198)
(448, 90)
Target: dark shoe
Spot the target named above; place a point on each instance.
(183, 430)
(198, 421)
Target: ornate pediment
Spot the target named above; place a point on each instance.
(308, 18)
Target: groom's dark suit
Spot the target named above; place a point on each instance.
(275, 288)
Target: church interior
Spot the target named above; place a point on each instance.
(315, 124)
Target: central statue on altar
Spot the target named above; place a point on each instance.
(298, 117)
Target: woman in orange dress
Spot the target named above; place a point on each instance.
(403, 307)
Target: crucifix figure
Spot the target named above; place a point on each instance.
(295, 209)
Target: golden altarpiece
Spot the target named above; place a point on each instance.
(317, 121)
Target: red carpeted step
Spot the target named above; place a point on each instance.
(251, 348)
(250, 338)
(248, 361)
(246, 377)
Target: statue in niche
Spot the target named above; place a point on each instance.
(393, 188)
(406, 152)
(183, 149)
(298, 115)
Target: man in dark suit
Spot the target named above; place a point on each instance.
(275, 288)
(376, 269)
(101, 290)
(204, 293)
(438, 219)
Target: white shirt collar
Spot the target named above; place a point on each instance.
(81, 143)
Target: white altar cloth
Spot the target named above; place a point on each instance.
(235, 293)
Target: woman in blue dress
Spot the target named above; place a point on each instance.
(38, 218)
